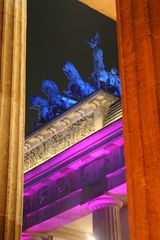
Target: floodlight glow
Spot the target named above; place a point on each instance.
(91, 237)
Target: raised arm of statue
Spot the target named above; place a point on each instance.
(99, 73)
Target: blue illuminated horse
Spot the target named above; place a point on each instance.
(41, 105)
(113, 84)
(77, 87)
(54, 98)
(57, 102)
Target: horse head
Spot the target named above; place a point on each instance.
(50, 88)
(36, 102)
(114, 71)
(71, 72)
(111, 80)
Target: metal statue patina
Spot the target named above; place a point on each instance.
(57, 102)
(77, 87)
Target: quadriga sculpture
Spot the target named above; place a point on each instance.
(44, 113)
(57, 102)
(77, 87)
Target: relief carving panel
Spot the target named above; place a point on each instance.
(86, 176)
(69, 129)
(59, 142)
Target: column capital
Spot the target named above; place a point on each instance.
(104, 201)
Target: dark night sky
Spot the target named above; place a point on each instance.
(58, 31)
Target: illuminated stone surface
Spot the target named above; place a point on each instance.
(57, 192)
(71, 127)
(106, 217)
(139, 56)
(138, 24)
(106, 7)
(12, 97)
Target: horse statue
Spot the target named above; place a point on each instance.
(57, 102)
(113, 84)
(44, 113)
(99, 73)
(77, 88)
(54, 98)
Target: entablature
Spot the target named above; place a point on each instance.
(74, 125)
(74, 177)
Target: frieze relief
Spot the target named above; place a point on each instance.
(69, 130)
(88, 175)
(59, 142)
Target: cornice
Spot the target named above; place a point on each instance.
(71, 127)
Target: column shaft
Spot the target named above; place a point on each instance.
(106, 223)
(138, 24)
(12, 98)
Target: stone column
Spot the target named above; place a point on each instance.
(106, 218)
(12, 98)
(138, 25)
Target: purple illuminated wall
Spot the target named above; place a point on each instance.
(61, 187)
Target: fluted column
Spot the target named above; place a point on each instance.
(106, 218)
(138, 23)
(12, 98)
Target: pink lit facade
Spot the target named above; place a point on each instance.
(85, 179)
(62, 187)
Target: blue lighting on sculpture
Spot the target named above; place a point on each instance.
(42, 106)
(51, 107)
(108, 81)
(99, 73)
(77, 87)
(113, 85)
(57, 102)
